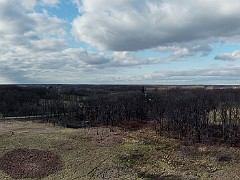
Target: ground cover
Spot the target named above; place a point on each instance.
(112, 153)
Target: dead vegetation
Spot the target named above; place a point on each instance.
(111, 153)
(156, 157)
(29, 163)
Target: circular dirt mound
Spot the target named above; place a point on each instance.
(29, 163)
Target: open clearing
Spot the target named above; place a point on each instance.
(111, 153)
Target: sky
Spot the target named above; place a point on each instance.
(167, 42)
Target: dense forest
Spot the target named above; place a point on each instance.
(190, 114)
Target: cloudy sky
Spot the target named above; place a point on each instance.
(120, 41)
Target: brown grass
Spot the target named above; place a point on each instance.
(114, 153)
(29, 163)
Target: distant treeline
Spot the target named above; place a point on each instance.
(46, 99)
(193, 115)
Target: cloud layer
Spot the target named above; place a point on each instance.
(25, 37)
(37, 46)
(51, 2)
(129, 25)
(235, 55)
(34, 49)
(211, 75)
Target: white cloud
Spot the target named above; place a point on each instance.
(218, 75)
(51, 2)
(212, 75)
(128, 25)
(78, 4)
(186, 49)
(21, 28)
(110, 60)
(235, 55)
(34, 44)
(25, 36)
(29, 4)
(34, 49)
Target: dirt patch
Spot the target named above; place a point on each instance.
(29, 163)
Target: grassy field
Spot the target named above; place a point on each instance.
(104, 153)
